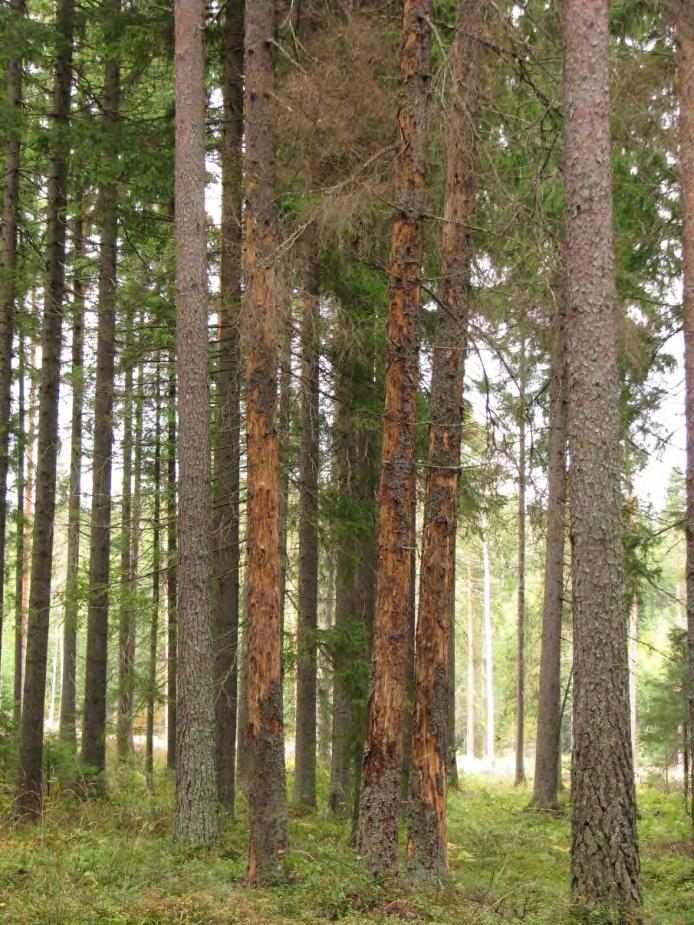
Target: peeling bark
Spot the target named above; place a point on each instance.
(381, 772)
(427, 854)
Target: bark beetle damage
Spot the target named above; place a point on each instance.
(377, 829)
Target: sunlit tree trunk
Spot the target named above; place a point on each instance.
(30, 778)
(604, 850)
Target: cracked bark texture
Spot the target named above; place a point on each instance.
(427, 855)
(685, 71)
(29, 799)
(307, 655)
(604, 850)
(381, 771)
(8, 264)
(67, 690)
(94, 723)
(265, 729)
(227, 450)
(546, 779)
(195, 804)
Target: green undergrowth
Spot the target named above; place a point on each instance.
(110, 861)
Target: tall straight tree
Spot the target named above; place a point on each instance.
(427, 856)
(68, 691)
(265, 730)
(30, 778)
(546, 780)
(604, 850)
(378, 811)
(94, 721)
(228, 410)
(8, 263)
(307, 655)
(685, 71)
(195, 810)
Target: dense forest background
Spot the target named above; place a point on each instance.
(215, 418)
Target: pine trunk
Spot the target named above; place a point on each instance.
(427, 854)
(68, 694)
(307, 676)
(226, 513)
(30, 778)
(94, 724)
(8, 264)
(380, 790)
(685, 66)
(265, 728)
(604, 851)
(546, 778)
(195, 808)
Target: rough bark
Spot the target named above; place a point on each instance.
(8, 264)
(226, 512)
(94, 722)
(171, 569)
(265, 730)
(378, 812)
(30, 778)
(546, 777)
(307, 656)
(604, 850)
(520, 658)
(427, 854)
(685, 71)
(68, 689)
(195, 806)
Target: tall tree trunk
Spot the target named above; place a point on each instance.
(24, 534)
(427, 853)
(488, 651)
(68, 689)
(156, 586)
(171, 569)
(549, 696)
(520, 661)
(94, 723)
(685, 70)
(307, 664)
(470, 679)
(378, 812)
(604, 850)
(130, 555)
(30, 778)
(226, 526)
(265, 731)
(8, 263)
(19, 548)
(195, 810)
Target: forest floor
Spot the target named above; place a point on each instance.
(111, 862)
